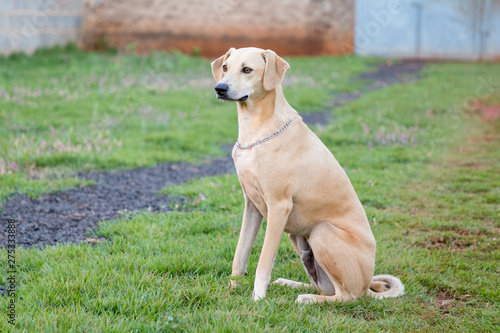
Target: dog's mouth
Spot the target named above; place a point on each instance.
(227, 99)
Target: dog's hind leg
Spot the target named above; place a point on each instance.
(318, 277)
(343, 265)
(291, 283)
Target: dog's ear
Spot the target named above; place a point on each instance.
(275, 69)
(217, 65)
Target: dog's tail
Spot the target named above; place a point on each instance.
(386, 286)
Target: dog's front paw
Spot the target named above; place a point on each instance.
(236, 280)
(306, 299)
(258, 296)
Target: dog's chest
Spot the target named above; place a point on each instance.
(247, 171)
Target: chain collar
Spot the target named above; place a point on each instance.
(272, 136)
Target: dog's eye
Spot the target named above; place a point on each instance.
(246, 70)
(224, 68)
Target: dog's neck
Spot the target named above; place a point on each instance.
(262, 117)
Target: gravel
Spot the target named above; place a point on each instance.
(69, 216)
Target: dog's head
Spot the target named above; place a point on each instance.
(247, 73)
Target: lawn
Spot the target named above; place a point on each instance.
(424, 164)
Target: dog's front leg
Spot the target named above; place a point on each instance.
(276, 222)
(252, 219)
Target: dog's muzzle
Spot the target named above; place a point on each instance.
(221, 89)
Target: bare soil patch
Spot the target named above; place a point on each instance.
(489, 112)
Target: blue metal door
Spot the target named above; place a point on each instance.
(449, 29)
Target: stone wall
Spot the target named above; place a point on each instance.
(290, 27)
(26, 25)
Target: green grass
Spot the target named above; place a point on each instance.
(424, 166)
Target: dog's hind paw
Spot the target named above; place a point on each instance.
(291, 284)
(307, 299)
(281, 282)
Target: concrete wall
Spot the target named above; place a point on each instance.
(286, 26)
(26, 25)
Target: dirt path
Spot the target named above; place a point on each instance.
(69, 216)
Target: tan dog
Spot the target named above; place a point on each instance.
(291, 178)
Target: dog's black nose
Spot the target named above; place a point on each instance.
(221, 88)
